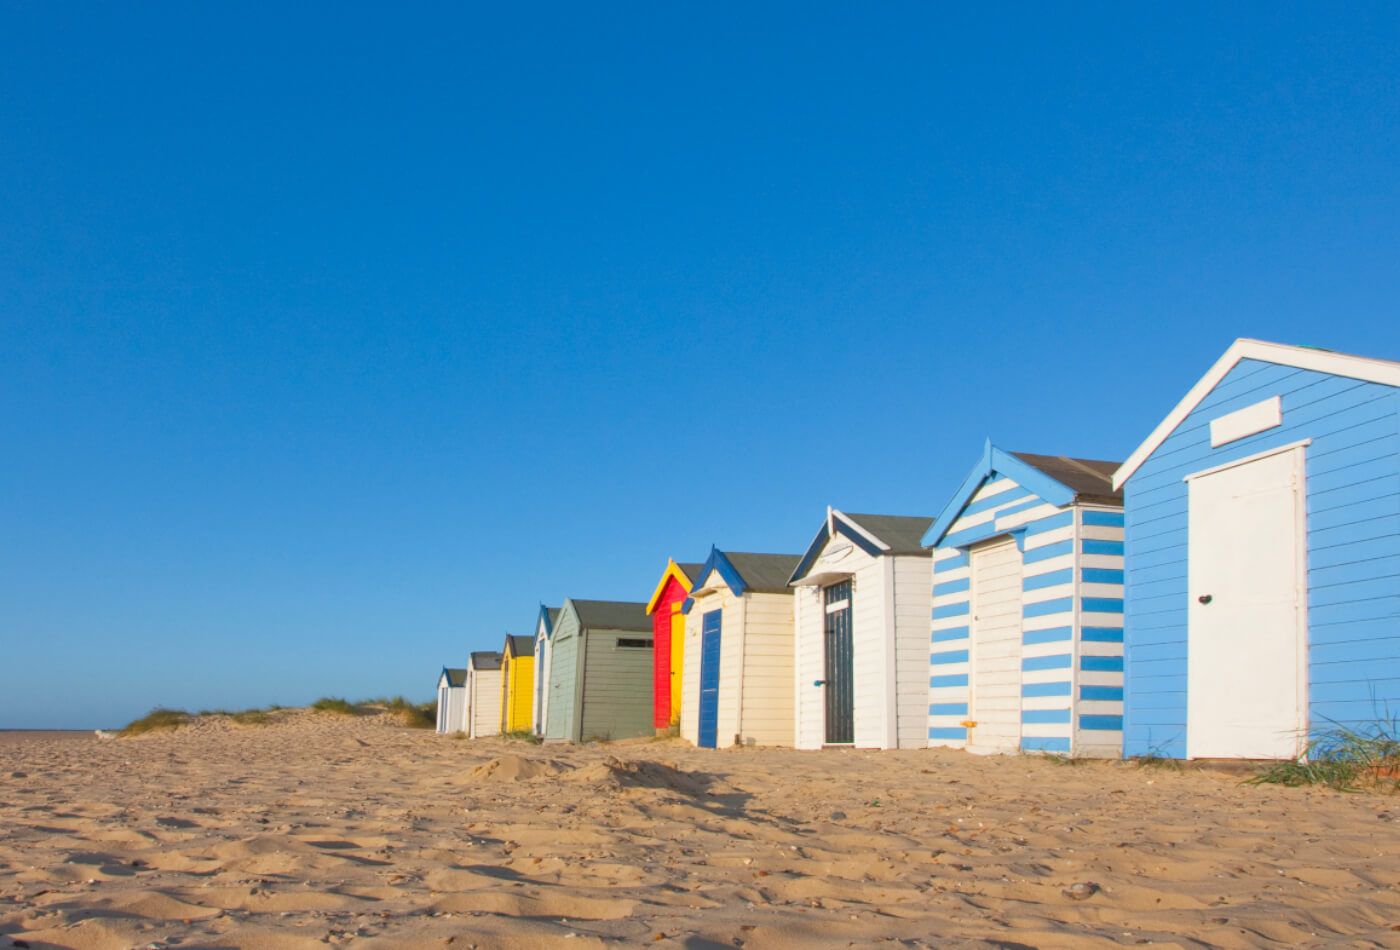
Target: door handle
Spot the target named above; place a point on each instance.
(1205, 598)
(818, 682)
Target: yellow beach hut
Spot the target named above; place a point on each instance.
(517, 683)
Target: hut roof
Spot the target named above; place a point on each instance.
(1087, 478)
(486, 660)
(455, 677)
(613, 615)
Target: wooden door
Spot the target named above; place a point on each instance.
(995, 658)
(840, 665)
(710, 630)
(1246, 674)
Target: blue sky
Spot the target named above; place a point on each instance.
(335, 339)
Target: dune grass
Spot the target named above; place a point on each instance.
(252, 717)
(1343, 758)
(334, 704)
(156, 719)
(522, 735)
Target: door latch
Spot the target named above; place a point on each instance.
(1205, 598)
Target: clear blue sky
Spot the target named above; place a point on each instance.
(335, 339)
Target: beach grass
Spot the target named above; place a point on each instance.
(1343, 758)
(522, 735)
(334, 704)
(156, 719)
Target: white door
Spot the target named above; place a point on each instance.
(1246, 690)
(995, 676)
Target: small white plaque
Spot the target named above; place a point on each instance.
(1246, 421)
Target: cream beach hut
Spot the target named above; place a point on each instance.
(544, 626)
(1028, 608)
(600, 672)
(452, 701)
(484, 694)
(861, 621)
(737, 687)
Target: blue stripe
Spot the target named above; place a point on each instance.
(954, 679)
(1046, 607)
(1107, 519)
(1029, 744)
(1048, 551)
(951, 656)
(1045, 715)
(1035, 502)
(947, 709)
(1112, 694)
(953, 587)
(1052, 635)
(994, 501)
(1101, 664)
(1102, 547)
(1045, 689)
(1037, 581)
(1101, 634)
(950, 610)
(1050, 523)
(1101, 723)
(1101, 575)
(952, 732)
(952, 633)
(1060, 661)
(950, 563)
(1101, 605)
(970, 535)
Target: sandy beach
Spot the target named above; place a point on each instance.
(323, 829)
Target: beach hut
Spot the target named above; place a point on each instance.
(668, 636)
(1027, 650)
(861, 622)
(1263, 544)
(600, 672)
(517, 683)
(452, 701)
(544, 626)
(737, 685)
(484, 694)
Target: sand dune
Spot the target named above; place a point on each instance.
(322, 830)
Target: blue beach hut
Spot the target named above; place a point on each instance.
(1027, 608)
(1263, 540)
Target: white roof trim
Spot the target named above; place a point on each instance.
(847, 520)
(1322, 361)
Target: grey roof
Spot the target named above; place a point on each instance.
(904, 534)
(486, 660)
(691, 570)
(613, 615)
(454, 677)
(521, 646)
(553, 615)
(1089, 479)
(765, 573)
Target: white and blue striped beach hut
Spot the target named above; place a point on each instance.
(1027, 650)
(1263, 538)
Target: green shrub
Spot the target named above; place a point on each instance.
(522, 735)
(332, 704)
(157, 719)
(251, 717)
(1343, 758)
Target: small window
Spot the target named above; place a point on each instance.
(633, 644)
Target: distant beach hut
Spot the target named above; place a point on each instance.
(1028, 608)
(738, 680)
(1263, 536)
(544, 627)
(452, 701)
(517, 683)
(600, 672)
(668, 634)
(484, 694)
(861, 620)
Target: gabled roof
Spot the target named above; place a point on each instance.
(1057, 479)
(485, 660)
(612, 615)
(1365, 368)
(873, 534)
(518, 646)
(550, 616)
(455, 677)
(683, 574)
(750, 573)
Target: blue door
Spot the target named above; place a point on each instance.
(709, 678)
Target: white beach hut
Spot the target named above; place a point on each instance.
(452, 701)
(544, 631)
(861, 619)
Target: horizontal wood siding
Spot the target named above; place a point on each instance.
(1353, 537)
(563, 679)
(810, 664)
(690, 675)
(731, 666)
(913, 580)
(766, 704)
(617, 699)
(486, 703)
(541, 686)
(868, 651)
